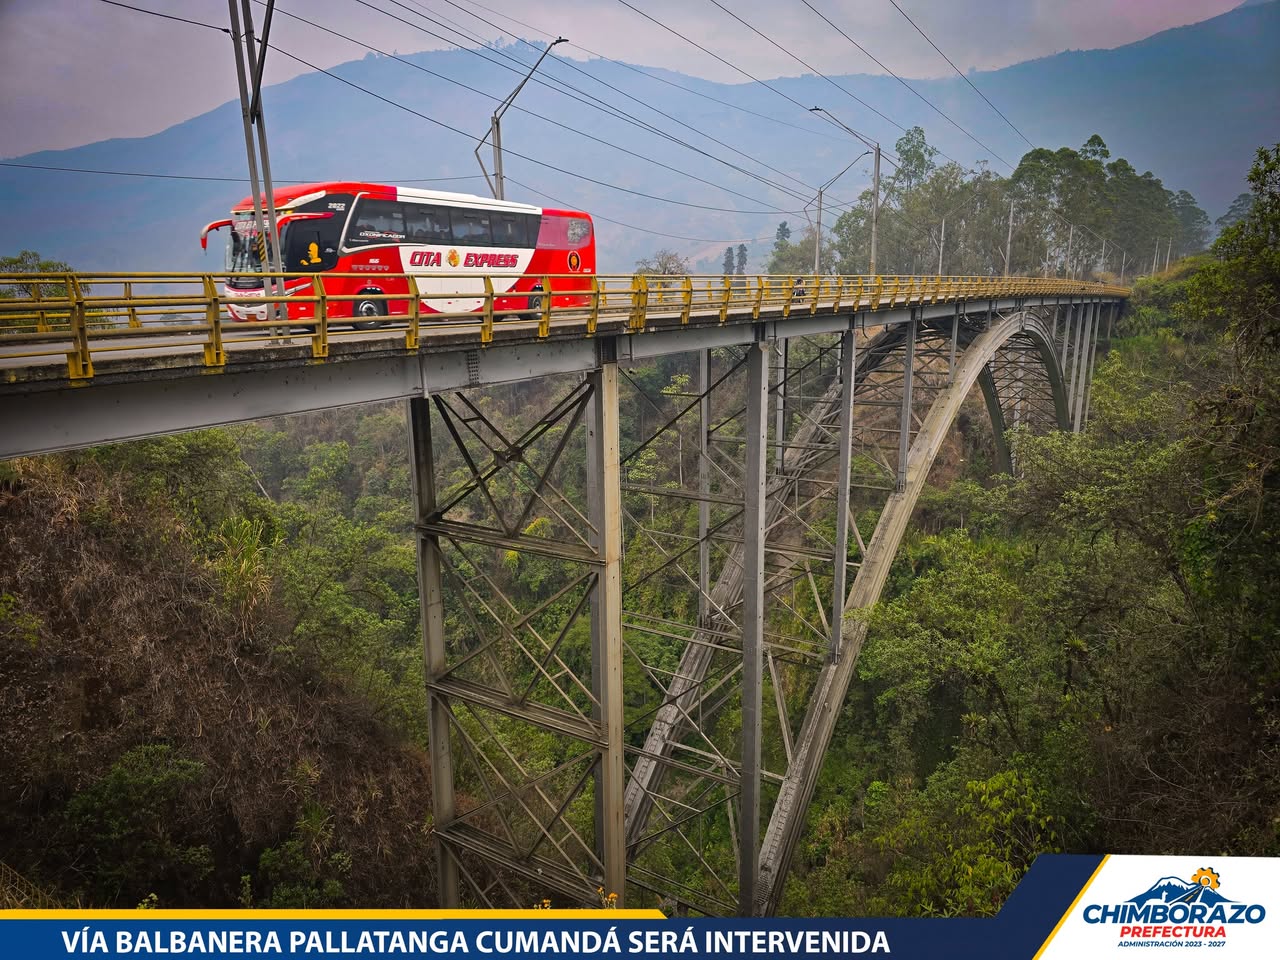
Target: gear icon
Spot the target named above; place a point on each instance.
(1206, 877)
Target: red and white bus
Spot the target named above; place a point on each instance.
(448, 241)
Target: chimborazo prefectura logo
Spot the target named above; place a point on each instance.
(1177, 909)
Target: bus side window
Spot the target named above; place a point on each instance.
(423, 224)
(471, 228)
(509, 230)
(376, 222)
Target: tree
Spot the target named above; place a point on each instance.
(1193, 223)
(1235, 213)
(797, 258)
(915, 161)
(28, 261)
(666, 262)
(742, 259)
(728, 261)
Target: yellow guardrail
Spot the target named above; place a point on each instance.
(74, 318)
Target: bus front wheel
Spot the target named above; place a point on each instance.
(368, 314)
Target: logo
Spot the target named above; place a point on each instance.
(453, 258)
(1177, 909)
(575, 261)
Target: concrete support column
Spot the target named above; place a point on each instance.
(604, 505)
(431, 601)
(839, 590)
(753, 536)
(904, 421)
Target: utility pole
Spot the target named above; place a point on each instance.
(817, 234)
(875, 178)
(1008, 243)
(1168, 250)
(1155, 257)
(817, 230)
(941, 242)
(875, 208)
(1071, 236)
(1124, 256)
(1102, 261)
(249, 66)
(496, 185)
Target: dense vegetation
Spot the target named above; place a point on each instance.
(1086, 660)
(211, 671)
(1075, 213)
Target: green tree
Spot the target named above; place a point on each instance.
(28, 261)
(742, 259)
(666, 262)
(1235, 213)
(728, 261)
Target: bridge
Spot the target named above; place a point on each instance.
(680, 740)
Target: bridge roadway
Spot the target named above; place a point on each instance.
(817, 400)
(107, 357)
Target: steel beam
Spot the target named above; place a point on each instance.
(848, 368)
(753, 531)
(431, 601)
(1093, 356)
(1084, 355)
(604, 505)
(704, 489)
(955, 337)
(904, 419)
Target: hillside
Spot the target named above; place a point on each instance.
(1167, 89)
(154, 738)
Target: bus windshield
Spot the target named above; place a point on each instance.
(242, 245)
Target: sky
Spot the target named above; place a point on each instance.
(79, 71)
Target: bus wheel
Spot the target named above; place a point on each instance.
(370, 313)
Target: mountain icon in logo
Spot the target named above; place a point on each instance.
(1201, 888)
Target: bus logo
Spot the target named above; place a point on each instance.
(453, 258)
(575, 261)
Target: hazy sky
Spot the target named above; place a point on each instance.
(77, 71)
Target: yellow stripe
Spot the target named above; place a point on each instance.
(1079, 897)
(242, 915)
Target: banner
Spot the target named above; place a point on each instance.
(1066, 908)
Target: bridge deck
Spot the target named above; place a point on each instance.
(81, 327)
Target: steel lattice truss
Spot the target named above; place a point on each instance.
(654, 712)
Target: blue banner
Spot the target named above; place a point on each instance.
(1066, 906)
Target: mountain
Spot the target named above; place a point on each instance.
(1191, 104)
(1174, 889)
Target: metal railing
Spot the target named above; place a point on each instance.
(48, 319)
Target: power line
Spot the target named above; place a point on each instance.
(547, 81)
(914, 91)
(962, 75)
(632, 226)
(665, 80)
(533, 160)
(809, 66)
(178, 176)
(549, 120)
(715, 56)
(169, 16)
(629, 96)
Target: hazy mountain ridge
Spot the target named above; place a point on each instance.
(1162, 103)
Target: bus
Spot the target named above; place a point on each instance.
(362, 235)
